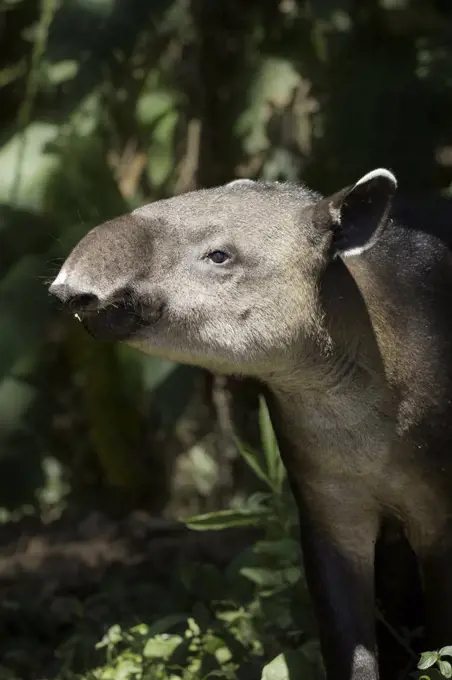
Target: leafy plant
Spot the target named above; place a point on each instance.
(262, 509)
(106, 105)
(220, 637)
(436, 662)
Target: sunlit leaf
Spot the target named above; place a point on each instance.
(209, 666)
(234, 645)
(26, 165)
(161, 160)
(273, 85)
(111, 637)
(289, 665)
(266, 578)
(252, 459)
(225, 519)
(161, 646)
(427, 660)
(61, 71)
(16, 398)
(275, 467)
(153, 104)
(445, 668)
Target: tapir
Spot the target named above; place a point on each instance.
(344, 317)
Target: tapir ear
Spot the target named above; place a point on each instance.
(241, 183)
(358, 214)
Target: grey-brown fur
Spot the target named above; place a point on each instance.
(344, 316)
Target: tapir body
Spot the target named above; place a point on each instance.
(344, 316)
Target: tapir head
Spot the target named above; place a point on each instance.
(226, 278)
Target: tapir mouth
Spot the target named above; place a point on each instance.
(119, 321)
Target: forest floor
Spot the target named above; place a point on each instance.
(64, 583)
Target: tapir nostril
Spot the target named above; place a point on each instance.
(76, 301)
(83, 302)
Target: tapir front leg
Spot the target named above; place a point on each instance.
(338, 543)
(435, 557)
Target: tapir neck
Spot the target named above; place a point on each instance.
(334, 409)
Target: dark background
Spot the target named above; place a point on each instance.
(108, 104)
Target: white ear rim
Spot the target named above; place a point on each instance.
(240, 182)
(378, 172)
(355, 251)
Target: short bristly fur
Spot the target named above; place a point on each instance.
(344, 317)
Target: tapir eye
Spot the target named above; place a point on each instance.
(218, 257)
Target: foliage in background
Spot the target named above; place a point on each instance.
(105, 105)
(252, 621)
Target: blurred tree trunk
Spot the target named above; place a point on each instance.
(217, 90)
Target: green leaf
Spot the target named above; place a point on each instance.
(160, 152)
(445, 668)
(445, 651)
(16, 398)
(292, 575)
(276, 669)
(258, 501)
(209, 666)
(235, 646)
(154, 104)
(427, 660)
(272, 88)
(61, 71)
(273, 459)
(161, 647)
(203, 469)
(26, 165)
(111, 637)
(252, 459)
(225, 519)
(126, 669)
(288, 666)
(108, 673)
(140, 629)
(180, 654)
(266, 578)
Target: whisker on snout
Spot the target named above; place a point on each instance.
(53, 267)
(46, 280)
